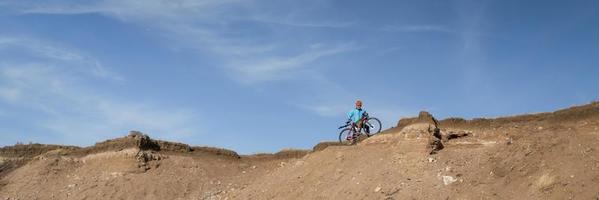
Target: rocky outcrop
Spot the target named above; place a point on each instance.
(423, 126)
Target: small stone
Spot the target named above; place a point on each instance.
(378, 189)
(254, 167)
(339, 156)
(449, 180)
(282, 164)
(540, 128)
(430, 160)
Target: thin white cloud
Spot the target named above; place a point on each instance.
(418, 28)
(288, 21)
(471, 53)
(274, 68)
(122, 8)
(312, 24)
(39, 48)
(78, 113)
(56, 52)
(204, 25)
(61, 86)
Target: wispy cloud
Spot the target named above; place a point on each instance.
(290, 21)
(274, 68)
(61, 87)
(471, 53)
(45, 50)
(80, 114)
(56, 52)
(125, 9)
(418, 28)
(248, 58)
(206, 25)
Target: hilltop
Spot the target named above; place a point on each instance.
(534, 156)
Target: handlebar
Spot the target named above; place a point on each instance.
(347, 123)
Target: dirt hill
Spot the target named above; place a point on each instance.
(536, 156)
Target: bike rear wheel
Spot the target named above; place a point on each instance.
(374, 126)
(345, 136)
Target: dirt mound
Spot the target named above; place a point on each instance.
(536, 156)
(13, 157)
(30, 150)
(214, 151)
(323, 145)
(423, 118)
(143, 142)
(133, 140)
(283, 154)
(539, 156)
(132, 167)
(564, 116)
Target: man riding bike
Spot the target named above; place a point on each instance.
(356, 116)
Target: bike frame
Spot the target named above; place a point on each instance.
(353, 131)
(358, 130)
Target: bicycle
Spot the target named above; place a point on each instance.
(350, 135)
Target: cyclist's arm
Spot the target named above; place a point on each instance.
(350, 115)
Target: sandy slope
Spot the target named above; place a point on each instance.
(543, 156)
(540, 156)
(124, 169)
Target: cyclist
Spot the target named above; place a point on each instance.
(356, 116)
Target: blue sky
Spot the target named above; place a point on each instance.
(258, 76)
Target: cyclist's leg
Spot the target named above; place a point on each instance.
(351, 132)
(355, 130)
(366, 127)
(359, 126)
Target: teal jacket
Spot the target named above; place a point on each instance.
(355, 115)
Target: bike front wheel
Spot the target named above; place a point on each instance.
(345, 136)
(374, 126)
